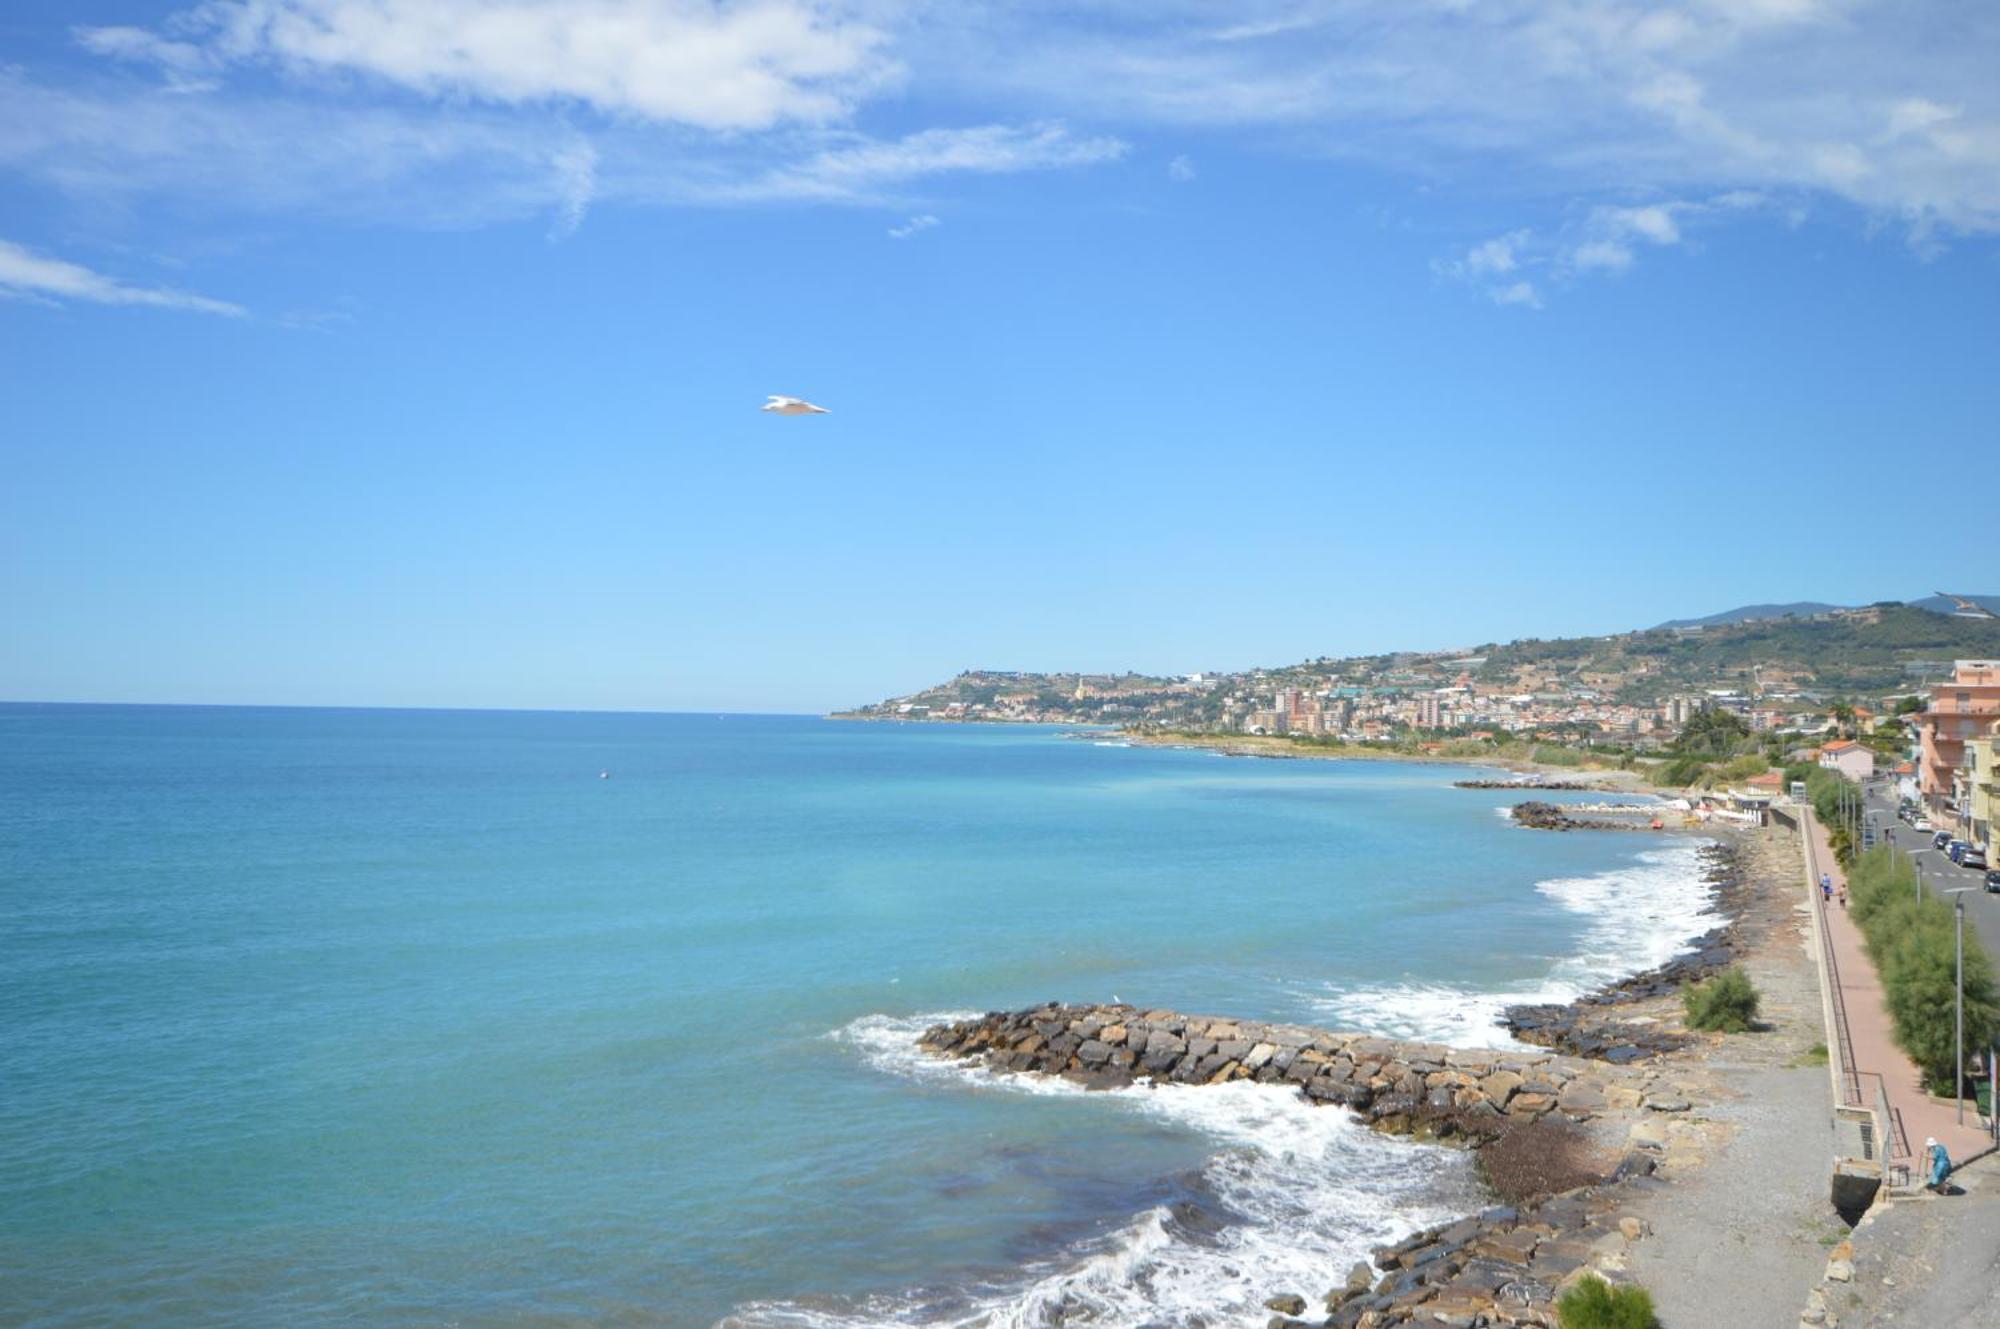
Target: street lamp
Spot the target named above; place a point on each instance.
(1958, 1085)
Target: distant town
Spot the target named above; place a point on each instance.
(1911, 688)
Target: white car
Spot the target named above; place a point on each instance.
(1922, 824)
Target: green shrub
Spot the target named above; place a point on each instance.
(1595, 1304)
(1742, 768)
(1680, 772)
(1913, 944)
(1726, 1003)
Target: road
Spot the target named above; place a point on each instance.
(1940, 874)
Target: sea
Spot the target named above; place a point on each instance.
(456, 1018)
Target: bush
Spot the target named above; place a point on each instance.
(1742, 768)
(1726, 1003)
(1914, 946)
(1595, 1304)
(1680, 772)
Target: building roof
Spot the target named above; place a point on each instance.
(1840, 745)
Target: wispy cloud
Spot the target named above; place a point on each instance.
(25, 274)
(862, 169)
(1890, 105)
(1519, 267)
(575, 169)
(694, 62)
(923, 221)
(1588, 122)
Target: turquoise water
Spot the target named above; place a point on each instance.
(405, 1018)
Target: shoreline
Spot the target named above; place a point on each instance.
(1611, 779)
(1574, 1170)
(1615, 778)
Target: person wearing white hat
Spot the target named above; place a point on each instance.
(1937, 1164)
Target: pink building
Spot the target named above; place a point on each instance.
(1849, 758)
(1959, 710)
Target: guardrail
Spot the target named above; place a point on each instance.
(1833, 1006)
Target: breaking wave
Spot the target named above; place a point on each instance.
(1638, 917)
(1293, 1196)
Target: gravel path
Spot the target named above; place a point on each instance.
(1740, 1240)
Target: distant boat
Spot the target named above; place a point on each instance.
(604, 775)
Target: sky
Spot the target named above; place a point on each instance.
(409, 352)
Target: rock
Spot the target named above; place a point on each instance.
(1840, 1271)
(1286, 1303)
(1634, 1228)
(1516, 1246)
(1667, 1105)
(1093, 1053)
(1648, 1134)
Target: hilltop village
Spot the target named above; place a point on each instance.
(1891, 688)
(1634, 691)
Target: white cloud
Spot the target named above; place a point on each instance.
(26, 274)
(1608, 255)
(458, 111)
(862, 169)
(921, 222)
(1654, 222)
(458, 166)
(1496, 255)
(1604, 240)
(575, 169)
(693, 62)
(1180, 170)
(1889, 105)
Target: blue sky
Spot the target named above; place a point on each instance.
(388, 352)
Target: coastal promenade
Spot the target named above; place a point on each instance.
(1868, 1048)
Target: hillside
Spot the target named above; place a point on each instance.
(1937, 604)
(1749, 613)
(1585, 684)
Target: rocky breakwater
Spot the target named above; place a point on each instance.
(1539, 816)
(1577, 786)
(1420, 1089)
(1567, 1144)
(1503, 1266)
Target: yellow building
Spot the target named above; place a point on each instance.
(1980, 782)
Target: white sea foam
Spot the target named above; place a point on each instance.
(1638, 917)
(1300, 1193)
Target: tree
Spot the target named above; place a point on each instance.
(1713, 732)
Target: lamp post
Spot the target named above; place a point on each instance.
(1958, 1085)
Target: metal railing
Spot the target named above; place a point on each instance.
(1848, 1079)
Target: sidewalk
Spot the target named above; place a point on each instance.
(1871, 1035)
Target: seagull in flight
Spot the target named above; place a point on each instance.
(792, 406)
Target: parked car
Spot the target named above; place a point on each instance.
(1955, 850)
(1993, 880)
(1941, 839)
(1974, 857)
